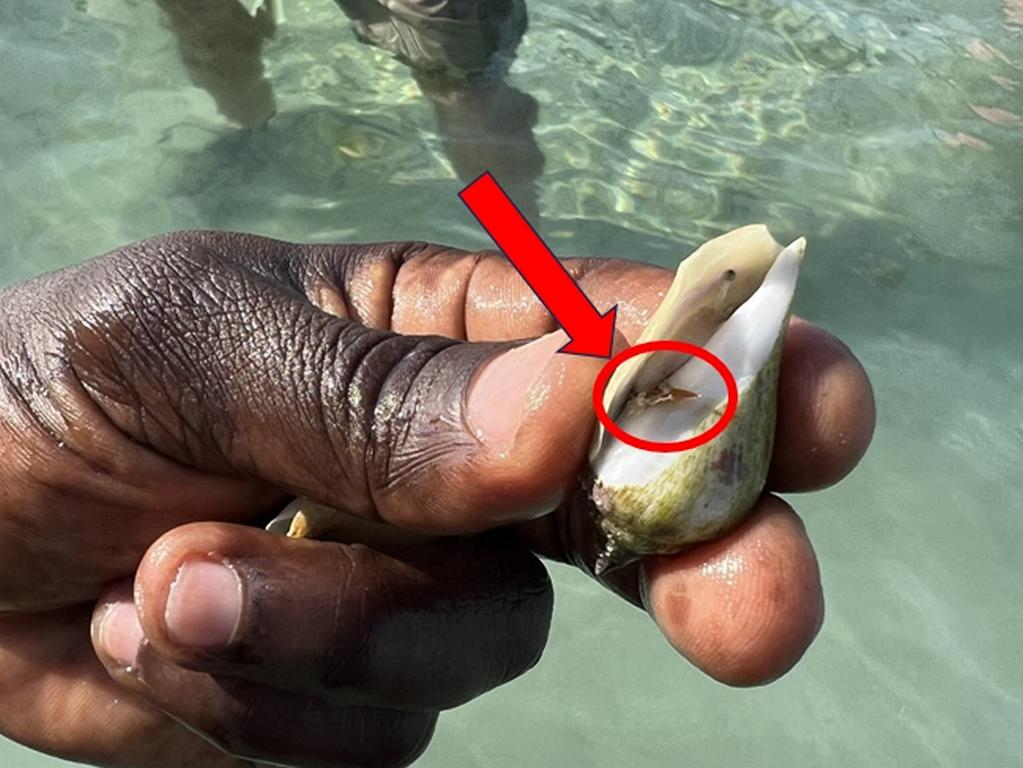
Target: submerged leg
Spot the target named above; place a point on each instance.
(221, 47)
(459, 53)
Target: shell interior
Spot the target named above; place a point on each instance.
(744, 343)
(709, 285)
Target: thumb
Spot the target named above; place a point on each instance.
(486, 434)
(444, 437)
(226, 370)
(529, 410)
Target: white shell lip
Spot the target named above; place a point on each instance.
(709, 285)
(747, 338)
(744, 343)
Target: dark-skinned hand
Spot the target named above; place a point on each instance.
(159, 404)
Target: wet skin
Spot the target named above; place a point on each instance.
(160, 403)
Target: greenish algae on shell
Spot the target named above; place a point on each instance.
(661, 517)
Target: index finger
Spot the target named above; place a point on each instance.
(481, 297)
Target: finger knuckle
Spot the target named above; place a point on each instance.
(386, 385)
(367, 279)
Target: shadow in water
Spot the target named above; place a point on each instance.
(458, 53)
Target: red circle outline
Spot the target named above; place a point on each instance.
(665, 345)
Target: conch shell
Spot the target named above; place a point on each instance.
(733, 296)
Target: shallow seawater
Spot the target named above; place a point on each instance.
(893, 139)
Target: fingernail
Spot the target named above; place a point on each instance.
(502, 390)
(204, 607)
(120, 633)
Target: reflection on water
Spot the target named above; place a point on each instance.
(890, 136)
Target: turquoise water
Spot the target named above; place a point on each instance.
(891, 138)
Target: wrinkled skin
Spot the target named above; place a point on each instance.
(159, 404)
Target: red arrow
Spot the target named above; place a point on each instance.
(591, 333)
